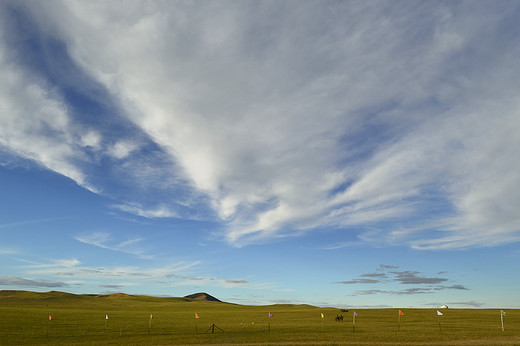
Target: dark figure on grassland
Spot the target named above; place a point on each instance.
(339, 318)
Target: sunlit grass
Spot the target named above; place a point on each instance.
(80, 320)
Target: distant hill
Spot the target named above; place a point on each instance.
(202, 297)
(56, 297)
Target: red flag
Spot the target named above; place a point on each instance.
(50, 318)
(196, 316)
(401, 313)
(151, 316)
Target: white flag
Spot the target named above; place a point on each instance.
(106, 317)
(439, 313)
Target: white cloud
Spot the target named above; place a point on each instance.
(62, 273)
(91, 139)
(105, 240)
(34, 123)
(158, 212)
(58, 263)
(288, 120)
(122, 149)
(173, 274)
(134, 273)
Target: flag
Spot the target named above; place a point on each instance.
(50, 318)
(151, 316)
(401, 313)
(106, 317)
(503, 313)
(355, 314)
(270, 315)
(439, 313)
(196, 316)
(322, 315)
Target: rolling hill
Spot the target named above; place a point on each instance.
(56, 297)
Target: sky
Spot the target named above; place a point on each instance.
(332, 153)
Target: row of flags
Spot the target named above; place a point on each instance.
(502, 313)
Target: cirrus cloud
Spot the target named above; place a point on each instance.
(19, 281)
(275, 119)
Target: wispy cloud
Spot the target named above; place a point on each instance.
(427, 285)
(117, 286)
(105, 240)
(18, 281)
(455, 287)
(407, 291)
(275, 125)
(387, 266)
(359, 281)
(374, 275)
(230, 281)
(158, 212)
(109, 276)
(112, 286)
(28, 222)
(52, 263)
(8, 251)
(411, 278)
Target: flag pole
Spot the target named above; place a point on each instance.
(354, 322)
(399, 320)
(502, 314)
(150, 324)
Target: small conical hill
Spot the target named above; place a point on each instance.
(201, 297)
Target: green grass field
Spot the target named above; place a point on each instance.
(81, 320)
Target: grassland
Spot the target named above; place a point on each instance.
(81, 320)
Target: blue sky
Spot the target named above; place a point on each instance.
(348, 154)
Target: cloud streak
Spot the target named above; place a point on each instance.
(72, 272)
(387, 275)
(18, 281)
(104, 240)
(411, 278)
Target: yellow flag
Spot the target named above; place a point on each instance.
(322, 315)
